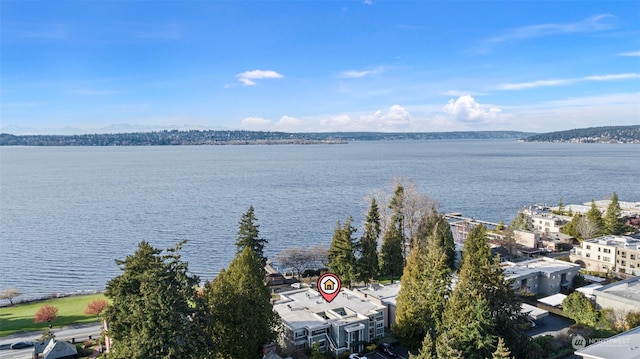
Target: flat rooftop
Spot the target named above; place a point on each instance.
(617, 241)
(538, 265)
(305, 308)
(625, 289)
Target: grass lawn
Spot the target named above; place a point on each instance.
(19, 318)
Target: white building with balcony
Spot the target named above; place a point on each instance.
(347, 323)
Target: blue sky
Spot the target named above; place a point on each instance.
(112, 66)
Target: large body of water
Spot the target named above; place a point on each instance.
(66, 213)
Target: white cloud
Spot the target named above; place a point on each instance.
(631, 53)
(287, 124)
(255, 123)
(354, 74)
(558, 82)
(466, 109)
(397, 118)
(248, 77)
(591, 24)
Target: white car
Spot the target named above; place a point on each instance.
(356, 356)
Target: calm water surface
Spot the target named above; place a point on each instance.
(67, 212)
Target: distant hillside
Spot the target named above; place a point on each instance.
(607, 134)
(215, 137)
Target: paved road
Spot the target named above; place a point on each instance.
(77, 332)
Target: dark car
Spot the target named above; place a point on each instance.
(21, 345)
(388, 350)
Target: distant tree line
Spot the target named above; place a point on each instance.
(223, 137)
(618, 134)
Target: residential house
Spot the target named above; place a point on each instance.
(345, 324)
(53, 349)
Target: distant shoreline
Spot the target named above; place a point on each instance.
(177, 138)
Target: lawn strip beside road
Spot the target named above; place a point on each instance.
(19, 317)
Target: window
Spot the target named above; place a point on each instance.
(632, 256)
(318, 332)
(608, 259)
(607, 250)
(588, 255)
(624, 263)
(300, 334)
(598, 257)
(588, 247)
(599, 249)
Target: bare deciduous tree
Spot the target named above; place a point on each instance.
(416, 205)
(587, 228)
(9, 294)
(295, 258)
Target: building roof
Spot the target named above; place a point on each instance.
(622, 346)
(57, 349)
(305, 308)
(626, 291)
(386, 294)
(617, 241)
(534, 313)
(542, 265)
(587, 290)
(553, 300)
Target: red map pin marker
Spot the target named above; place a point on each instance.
(329, 286)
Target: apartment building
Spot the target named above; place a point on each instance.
(548, 223)
(622, 296)
(609, 254)
(347, 323)
(541, 275)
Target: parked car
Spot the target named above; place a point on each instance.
(356, 356)
(21, 345)
(388, 350)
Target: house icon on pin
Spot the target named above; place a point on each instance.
(329, 285)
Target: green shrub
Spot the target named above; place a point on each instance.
(370, 348)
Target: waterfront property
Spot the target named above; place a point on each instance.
(609, 254)
(347, 323)
(541, 275)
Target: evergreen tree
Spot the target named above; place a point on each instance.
(444, 350)
(249, 235)
(427, 351)
(571, 228)
(612, 222)
(154, 311)
(502, 352)
(483, 305)
(368, 266)
(422, 297)
(239, 300)
(392, 250)
(391, 253)
(595, 216)
(342, 258)
(434, 230)
(521, 222)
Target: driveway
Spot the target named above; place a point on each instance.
(553, 324)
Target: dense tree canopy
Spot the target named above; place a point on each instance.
(342, 252)
(154, 311)
(579, 308)
(46, 313)
(368, 265)
(612, 221)
(239, 300)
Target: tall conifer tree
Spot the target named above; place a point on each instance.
(239, 300)
(368, 266)
(342, 258)
(595, 216)
(154, 311)
(249, 235)
(612, 222)
(425, 288)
